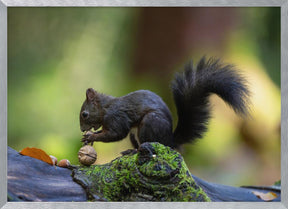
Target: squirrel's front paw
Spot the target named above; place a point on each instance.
(88, 138)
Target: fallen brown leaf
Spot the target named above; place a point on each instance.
(269, 196)
(36, 153)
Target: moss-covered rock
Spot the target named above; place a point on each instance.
(153, 173)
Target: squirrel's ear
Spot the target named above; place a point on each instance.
(90, 94)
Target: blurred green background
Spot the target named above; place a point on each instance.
(55, 54)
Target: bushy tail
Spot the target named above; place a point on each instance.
(192, 88)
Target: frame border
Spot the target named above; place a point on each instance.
(141, 3)
(4, 4)
(3, 104)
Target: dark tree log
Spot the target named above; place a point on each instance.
(30, 179)
(154, 173)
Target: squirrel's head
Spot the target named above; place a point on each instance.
(90, 114)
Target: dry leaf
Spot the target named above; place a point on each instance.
(36, 153)
(265, 196)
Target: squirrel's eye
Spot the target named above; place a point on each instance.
(85, 114)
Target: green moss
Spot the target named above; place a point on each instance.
(154, 173)
(277, 183)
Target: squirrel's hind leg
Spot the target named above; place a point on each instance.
(155, 127)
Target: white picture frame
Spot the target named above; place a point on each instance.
(5, 4)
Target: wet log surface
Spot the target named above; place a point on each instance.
(30, 179)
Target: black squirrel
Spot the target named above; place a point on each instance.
(148, 119)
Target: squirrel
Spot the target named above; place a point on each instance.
(147, 118)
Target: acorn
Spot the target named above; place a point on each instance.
(64, 163)
(87, 155)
